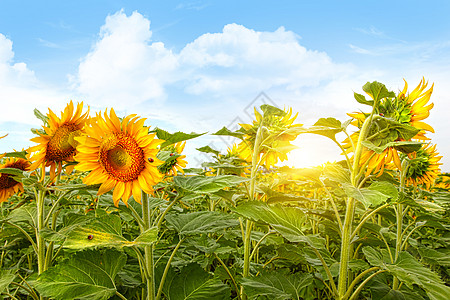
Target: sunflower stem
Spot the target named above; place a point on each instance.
(146, 218)
(248, 223)
(40, 242)
(399, 216)
(349, 213)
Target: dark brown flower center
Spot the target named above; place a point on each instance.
(121, 157)
(60, 147)
(6, 181)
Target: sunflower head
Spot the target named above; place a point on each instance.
(8, 185)
(56, 144)
(278, 132)
(120, 154)
(173, 159)
(398, 118)
(423, 166)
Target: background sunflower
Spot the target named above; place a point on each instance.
(57, 144)
(8, 185)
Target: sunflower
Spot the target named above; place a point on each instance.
(120, 154)
(409, 109)
(57, 144)
(174, 160)
(415, 108)
(423, 166)
(9, 186)
(277, 137)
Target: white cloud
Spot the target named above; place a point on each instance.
(124, 67)
(208, 83)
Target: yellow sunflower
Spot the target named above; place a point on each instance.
(9, 186)
(409, 109)
(175, 161)
(416, 107)
(57, 144)
(120, 154)
(423, 166)
(276, 140)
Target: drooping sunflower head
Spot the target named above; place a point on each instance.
(173, 159)
(423, 166)
(278, 131)
(415, 107)
(57, 143)
(8, 185)
(119, 154)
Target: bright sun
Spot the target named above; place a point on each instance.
(313, 150)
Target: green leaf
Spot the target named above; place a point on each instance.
(200, 222)
(270, 110)
(208, 149)
(207, 184)
(337, 173)
(403, 146)
(328, 127)
(385, 188)
(377, 91)
(288, 221)
(18, 154)
(172, 138)
(6, 277)
(277, 285)
(193, 283)
(439, 257)
(368, 197)
(411, 272)
(26, 213)
(86, 275)
(361, 99)
(12, 171)
(40, 116)
(227, 132)
(105, 231)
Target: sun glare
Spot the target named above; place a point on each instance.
(313, 150)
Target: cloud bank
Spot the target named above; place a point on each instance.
(210, 82)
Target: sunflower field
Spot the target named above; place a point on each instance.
(105, 207)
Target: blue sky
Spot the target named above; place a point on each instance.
(198, 65)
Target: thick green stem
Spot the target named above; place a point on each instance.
(399, 219)
(146, 218)
(249, 224)
(349, 213)
(40, 242)
(345, 248)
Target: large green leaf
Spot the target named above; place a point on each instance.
(18, 154)
(86, 275)
(207, 184)
(377, 90)
(208, 149)
(403, 146)
(367, 196)
(200, 222)
(227, 132)
(328, 127)
(6, 277)
(193, 283)
(439, 257)
(172, 138)
(277, 285)
(26, 213)
(337, 173)
(288, 221)
(411, 272)
(106, 231)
